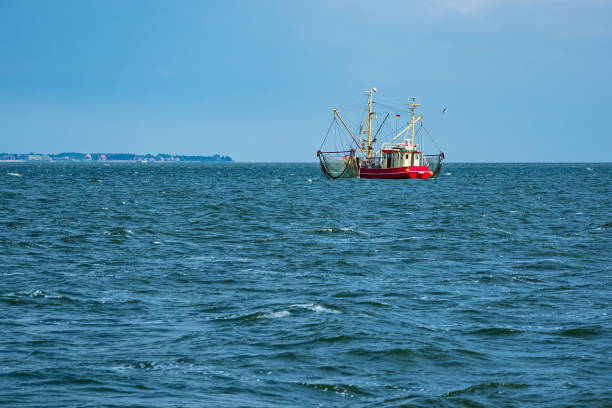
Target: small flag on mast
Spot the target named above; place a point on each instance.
(397, 115)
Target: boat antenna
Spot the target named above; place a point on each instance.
(413, 106)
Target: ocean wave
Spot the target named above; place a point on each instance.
(274, 315)
(316, 308)
(278, 314)
(119, 231)
(581, 332)
(485, 386)
(348, 390)
(334, 230)
(221, 259)
(496, 331)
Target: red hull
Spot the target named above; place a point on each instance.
(414, 172)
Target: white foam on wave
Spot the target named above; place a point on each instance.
(14, 174)
(36, 293)
(316, 308)
(118, 231)
(11, 273)
(220, 259)
(589, 169)
(156, 242)
(343, 229)
(319, 308)
(501, 230)
(275, 315)
(447, 174)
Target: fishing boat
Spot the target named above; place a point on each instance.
(362, 156)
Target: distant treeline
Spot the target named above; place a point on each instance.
(71, 156)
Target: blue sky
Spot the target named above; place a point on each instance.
(256, 80)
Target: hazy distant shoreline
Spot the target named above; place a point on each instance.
(107, 157)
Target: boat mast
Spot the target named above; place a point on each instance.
(370, 92)
(413, 105)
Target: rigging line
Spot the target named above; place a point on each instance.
(327, 134)
(390, 101)
(388, 134)
(350, 106)
(338, 139)
(336, 135)
(432, 139)
(387, 98)
(381, 125)
(422, 136)
(362, 124)
(419, 129)
(398, 108)
(345, 139)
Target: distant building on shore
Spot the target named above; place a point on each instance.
(127, 157)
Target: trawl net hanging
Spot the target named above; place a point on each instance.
(337, 165)
(337, 154)
(434, 162)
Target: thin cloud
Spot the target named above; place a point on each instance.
(473, 7)
(465, 7)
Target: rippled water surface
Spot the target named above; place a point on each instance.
(266, 285)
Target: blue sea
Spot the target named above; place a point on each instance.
(266, 285)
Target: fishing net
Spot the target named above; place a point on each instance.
(336, 165)
(434, 162)
(337, 153)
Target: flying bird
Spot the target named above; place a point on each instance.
(444, 110)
